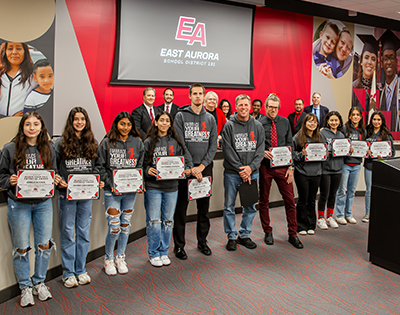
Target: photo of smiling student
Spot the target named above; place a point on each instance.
(44, 77)
(122, 147)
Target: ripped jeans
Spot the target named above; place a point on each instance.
(118, 224)
(160, 210)
(20, 216)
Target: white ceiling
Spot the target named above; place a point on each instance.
(383, 8)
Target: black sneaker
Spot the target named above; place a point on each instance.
(246, 242)
(231, 245)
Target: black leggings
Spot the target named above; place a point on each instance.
(307, 187)
(327, 190)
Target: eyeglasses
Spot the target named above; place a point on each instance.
(273, 107)
(389, 59)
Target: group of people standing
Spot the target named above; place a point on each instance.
(136, 141)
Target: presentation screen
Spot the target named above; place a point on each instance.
(178, 42)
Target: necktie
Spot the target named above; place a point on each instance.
(274, 137)
(151, 115)
(388, 97)
(167, 110)
(296, 120)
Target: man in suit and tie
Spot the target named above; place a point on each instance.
(144, 114)
(296, 118)
(388, 102)
(317, 109)
(168, 106)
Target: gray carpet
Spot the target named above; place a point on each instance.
(331, 275)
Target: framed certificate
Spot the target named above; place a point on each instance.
(315, 152)
(341, 147)
(198, 190)
(282, 156)
(382, 148)
(127, 180)
(35, 183)
(360, 148)
(83, 186)
(170, 167)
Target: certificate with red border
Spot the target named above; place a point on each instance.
(127, 180)
(37, 183)
(197, 190)
(315, 152)
(83, 186)
(170, 167)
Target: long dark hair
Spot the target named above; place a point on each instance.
(384, 131)
(302, 134)
(153, 135)
(26, 65)
(113, 135)
(230, 107)
(349, 124)
(329, 115)
(74, 147)
(21, 145)
(360, 70)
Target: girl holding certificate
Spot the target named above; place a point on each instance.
(76, 153)
(121, 148)
(307, 174)
(161, 195)
(29, 149)
(353, 129)
(331, 172)
(376, 131)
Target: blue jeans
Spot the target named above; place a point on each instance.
(347, 190)
(75, 219)
(231, 182)
(118, 225)
(20, 216)
(160, 209)
(368, 184)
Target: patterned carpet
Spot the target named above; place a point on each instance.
(331, 275)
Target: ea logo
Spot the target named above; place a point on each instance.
(185, 31)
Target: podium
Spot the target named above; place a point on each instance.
(384, 224)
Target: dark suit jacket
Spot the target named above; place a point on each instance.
(174, 109)
(142, 119)
(323, 111)
(299, 123)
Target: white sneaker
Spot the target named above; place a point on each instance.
(42, 290)
(310, 232)
(321, 223)
(365, 218)
(70, 282)
(165, 260)
(341, 221)
(332, 223)
(156, 262)
(84, 278)
(121, 264)
(27, 297)
(351, 220)
(109, 267)
(303, 232)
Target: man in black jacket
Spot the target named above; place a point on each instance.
(144, 114)
(296, 118)
(168, 106)
(317, 109)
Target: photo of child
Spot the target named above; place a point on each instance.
(44, 77)
(332, 49)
